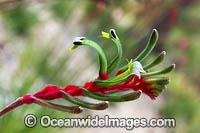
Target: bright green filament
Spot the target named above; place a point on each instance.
(115, 62)
(158, 60)
(163, 71)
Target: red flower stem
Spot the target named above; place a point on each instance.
(18, 102)
(51, 92)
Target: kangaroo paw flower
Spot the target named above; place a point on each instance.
(132, 77)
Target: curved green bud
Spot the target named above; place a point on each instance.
(115, 62)
(123, 98)
(160, 80)
(158, 60)
(163, 71)
(150, 45)
(68, 109)
(99, 106)
(102, 58)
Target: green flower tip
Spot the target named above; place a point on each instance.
(157, 61)
(163, 53)
(111, 34)
(173, 65)
(163, 71)
(160, 80)
(155, 35)
(77, 41)
(130, 65)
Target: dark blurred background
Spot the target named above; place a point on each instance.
(35, 36)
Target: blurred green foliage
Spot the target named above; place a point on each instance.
(183, 104)
(61, 8)
(19, 20)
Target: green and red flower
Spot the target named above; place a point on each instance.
(134, 78)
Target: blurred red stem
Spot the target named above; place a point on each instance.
(12, 106)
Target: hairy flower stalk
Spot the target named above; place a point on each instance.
(133, 78)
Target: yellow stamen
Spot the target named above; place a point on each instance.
(73, 47)
(106, 35)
